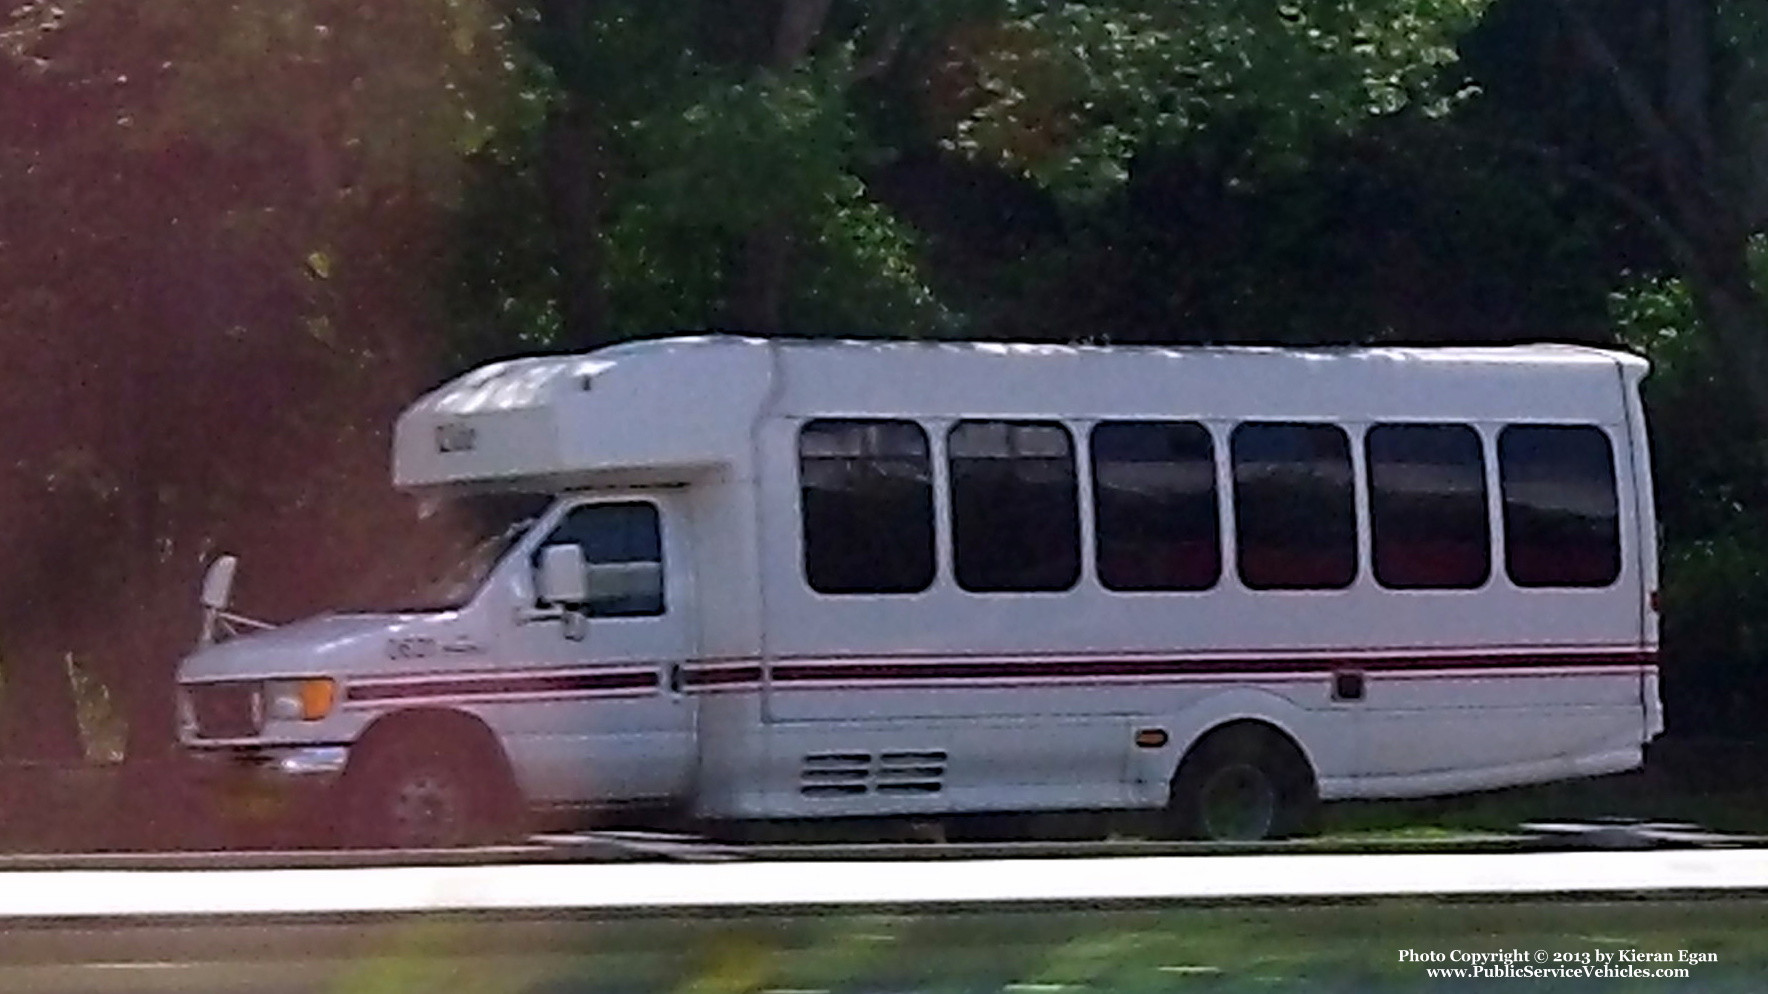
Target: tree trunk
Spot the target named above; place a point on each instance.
(1702, 218)
(1688, 73)
(576, 178)
(800, 22)
(759, 301)
(575, 174)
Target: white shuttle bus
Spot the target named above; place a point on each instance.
(803, 580)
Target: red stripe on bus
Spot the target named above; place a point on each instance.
(735, 675)
(545, 684)
(1081, 668)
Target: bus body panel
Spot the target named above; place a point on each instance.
(772, 700)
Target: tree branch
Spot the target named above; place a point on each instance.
(1688, 93)
(1680, 246)
(1682, 181)
(800, 22)
(881, 57)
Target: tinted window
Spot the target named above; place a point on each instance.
(1015, 511)
(1561, 518)
(1429, 524)
(1154, 506)
(622, 554)
(866, 494)
(1294, 506)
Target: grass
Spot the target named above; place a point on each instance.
(1716, 785)
(1354, 947)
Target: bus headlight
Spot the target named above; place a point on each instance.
(299, 700)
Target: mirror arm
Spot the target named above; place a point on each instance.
(219, 626)
(244, 622)
(532, 615)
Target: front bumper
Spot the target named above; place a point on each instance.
(316, 765)
(263, 782)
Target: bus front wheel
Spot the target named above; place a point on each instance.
(422, 788)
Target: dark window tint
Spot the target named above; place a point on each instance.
(622, 554)
(1294, 506)
(1015, 513)
(1155, 522)
(1561, 519)
(1429, 524)
(866, 493)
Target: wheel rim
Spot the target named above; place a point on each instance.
(428, 808)
(1238, 803)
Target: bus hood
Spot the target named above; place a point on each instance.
(328, 645)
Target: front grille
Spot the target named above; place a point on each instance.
(225, 710)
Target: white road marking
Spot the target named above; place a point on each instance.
(590, 887)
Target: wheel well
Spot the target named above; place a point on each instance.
(458, 729)
(1273, 733)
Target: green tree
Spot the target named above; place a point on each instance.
(1712, 487)
(218, 283)
(1660, 107)
(700, 165)
(722, 160)
(1070, 93)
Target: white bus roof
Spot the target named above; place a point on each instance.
(667, 410)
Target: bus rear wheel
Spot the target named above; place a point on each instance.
(1243, 783)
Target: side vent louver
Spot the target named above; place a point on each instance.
(846, 774)
(910, 772)
(835, 774)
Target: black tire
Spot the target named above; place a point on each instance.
(1243, 783)
(422, 788)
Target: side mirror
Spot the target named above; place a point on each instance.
(218, 583)
(561, 580)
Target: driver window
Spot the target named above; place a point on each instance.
(622, 557)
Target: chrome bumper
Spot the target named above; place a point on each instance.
(256, 787)
(292, 766)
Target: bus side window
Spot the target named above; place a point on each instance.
(1430, 526)
(1015, 506)
(1561, 512)
(1155, 522)
(866, 499)
(1294, 506)
(623, 554)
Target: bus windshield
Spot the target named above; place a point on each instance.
(457, 549)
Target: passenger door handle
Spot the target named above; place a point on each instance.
(675, 678)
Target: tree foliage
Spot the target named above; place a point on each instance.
(1069, 93)
(728, 141)
(216, 287)
(1661, 112)
(1712, 499)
